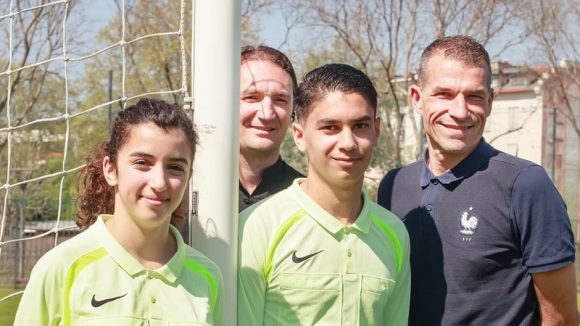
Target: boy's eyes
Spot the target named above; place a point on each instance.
(361, 125)
(329, 127)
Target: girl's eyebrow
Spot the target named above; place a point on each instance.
(145, 155)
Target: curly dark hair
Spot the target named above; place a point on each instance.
(96, 196)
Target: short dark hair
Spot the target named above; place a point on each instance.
(330, 78)
(458, 47)
(266, 53)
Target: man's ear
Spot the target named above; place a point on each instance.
(490, 101)
(377, 126)
(298, 135)
(416, 97)
(110, 171)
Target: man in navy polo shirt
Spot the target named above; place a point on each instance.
(491, 242)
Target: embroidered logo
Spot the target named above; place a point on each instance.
(97, 303)
(298, 260)
(468, 224)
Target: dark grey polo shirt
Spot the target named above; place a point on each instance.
(477, 233)
(275, 178)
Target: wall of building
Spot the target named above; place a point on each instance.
(515, 124)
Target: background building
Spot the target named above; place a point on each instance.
(535, 116)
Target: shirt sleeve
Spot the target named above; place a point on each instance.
(397, 311)
(385, 190)
(42, 298)
(541, 222)
(251, 281)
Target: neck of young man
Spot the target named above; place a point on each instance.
(152, 247)
(252, 166)
(343, 200)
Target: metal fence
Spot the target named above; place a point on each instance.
(19, 257)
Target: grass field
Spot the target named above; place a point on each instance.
(8, 307)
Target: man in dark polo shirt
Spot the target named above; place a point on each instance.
(267, 83)
(491, 241)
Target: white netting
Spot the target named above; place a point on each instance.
(58, 60)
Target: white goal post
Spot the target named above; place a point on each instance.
(216, 101)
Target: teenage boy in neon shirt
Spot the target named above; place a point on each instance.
(321, 252)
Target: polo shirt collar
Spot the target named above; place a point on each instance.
(132, 266)
(468, 166)
(325, 219)
(269, 178)
(171, 270)
(363, 221)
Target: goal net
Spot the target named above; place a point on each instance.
(66, 68)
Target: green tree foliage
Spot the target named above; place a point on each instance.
(32, 89)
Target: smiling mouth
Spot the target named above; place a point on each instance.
(456, 127)
(155, 201)
(347, 159)
(267, 129)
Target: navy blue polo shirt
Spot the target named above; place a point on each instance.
(274, 179)
(477, 232)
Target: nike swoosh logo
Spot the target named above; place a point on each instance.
(97, 303)
(298, 260)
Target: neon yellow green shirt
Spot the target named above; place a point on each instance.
(92, 280)
(298, 265)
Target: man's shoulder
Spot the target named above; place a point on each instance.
(414, 168)
(411, 167)
(273, 208)
(271, 202)
(504, 160)
(290, 171)
(409, 174)
(508, 168)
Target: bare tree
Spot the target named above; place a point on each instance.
(379, 37)
(493, 21)
(37, 37)
(554, 27)
(384, 37)
(252, 11)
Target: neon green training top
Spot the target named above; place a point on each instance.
(299, 265)
(92, 280)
